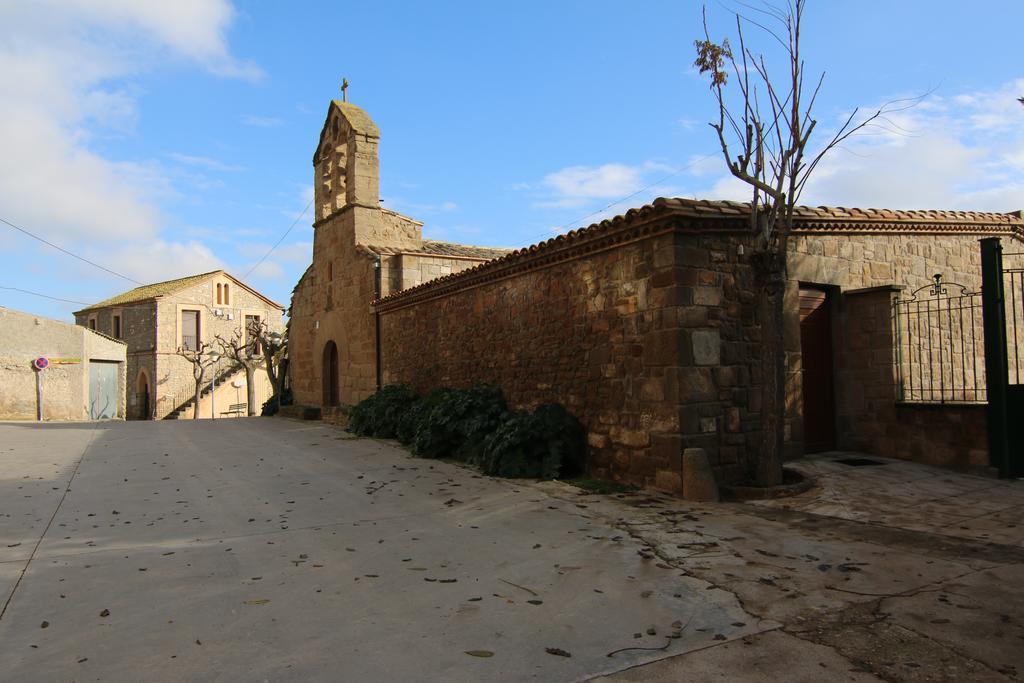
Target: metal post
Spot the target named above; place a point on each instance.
(993, 315)
(39, 395)
(213, 394)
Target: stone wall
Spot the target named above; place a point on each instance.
(872, 270)
(406, 270)
(174, 381)
(628, 339)
(334, 309)
(654, 344)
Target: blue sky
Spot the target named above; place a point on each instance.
(163, 139)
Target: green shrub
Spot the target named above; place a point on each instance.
(379, 415)
(545, 444)
(474, 425)
(455, 423)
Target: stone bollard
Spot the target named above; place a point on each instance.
(698, 479)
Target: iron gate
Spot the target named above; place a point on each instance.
(939, 345)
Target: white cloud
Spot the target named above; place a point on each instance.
(262, 121)
(576, 185)
(964, 151)
(203, 162)
(959, 152)
(579, 186)
(158, 260)
(65, 70)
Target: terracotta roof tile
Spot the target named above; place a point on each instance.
(821, 219)
(437, 248)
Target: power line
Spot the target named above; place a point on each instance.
(45, 296)
(62, 249)
(278, 242)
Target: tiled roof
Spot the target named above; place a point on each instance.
(450, 249)
(708, 208)
(709, 215)
(148, 292)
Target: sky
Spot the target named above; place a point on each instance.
(165, 139)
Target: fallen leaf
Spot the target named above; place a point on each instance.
(558, 652)
(256, 602)
(105, 613)
(479, 653)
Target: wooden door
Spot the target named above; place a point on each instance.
(819, 405)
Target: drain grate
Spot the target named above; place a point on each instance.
(859, 462)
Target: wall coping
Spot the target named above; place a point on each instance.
(702, 216)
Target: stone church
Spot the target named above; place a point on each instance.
(643, 325)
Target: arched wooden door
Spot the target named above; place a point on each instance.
(330, 374)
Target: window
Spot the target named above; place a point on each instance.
(227, 297)
(92, 324)
(252, 329)
(219, 299)
(330, 271)
(190, 330)
(115, 327)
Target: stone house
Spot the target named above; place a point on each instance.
(643, 325)
(156, 320)
(84, 380)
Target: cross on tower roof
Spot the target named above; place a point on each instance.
(344, 88)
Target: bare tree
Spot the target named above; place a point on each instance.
(764, 128)
(242, 350)
(274, 346)
(201, 362)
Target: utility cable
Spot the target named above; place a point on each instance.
(62, 249)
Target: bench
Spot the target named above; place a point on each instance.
(236, 409)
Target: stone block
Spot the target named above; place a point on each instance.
(706, 346)
(698, 478)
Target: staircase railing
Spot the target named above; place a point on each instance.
(184, 398)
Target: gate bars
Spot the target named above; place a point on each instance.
(939, 345)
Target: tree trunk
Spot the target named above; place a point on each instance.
(272, 375)
(199, 391)
(771, 303)
(250, 389)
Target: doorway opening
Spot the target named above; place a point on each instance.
(330, 375)
(142, 397)
(819, 403)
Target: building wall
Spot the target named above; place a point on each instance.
(406, 270)
(174, 381)
(600, 333)
(25, 337)
(889, 266)
(138, 330)
(655, 345)
(335, 310)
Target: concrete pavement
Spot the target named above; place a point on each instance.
(265, 549)
(259, 549)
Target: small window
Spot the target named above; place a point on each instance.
(219, 300)
(190, 330)
(92, 324)
(330, 271)
(227, 297)
(116, 327)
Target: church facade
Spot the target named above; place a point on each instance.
(645, 325)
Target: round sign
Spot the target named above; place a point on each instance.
(41, 363)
